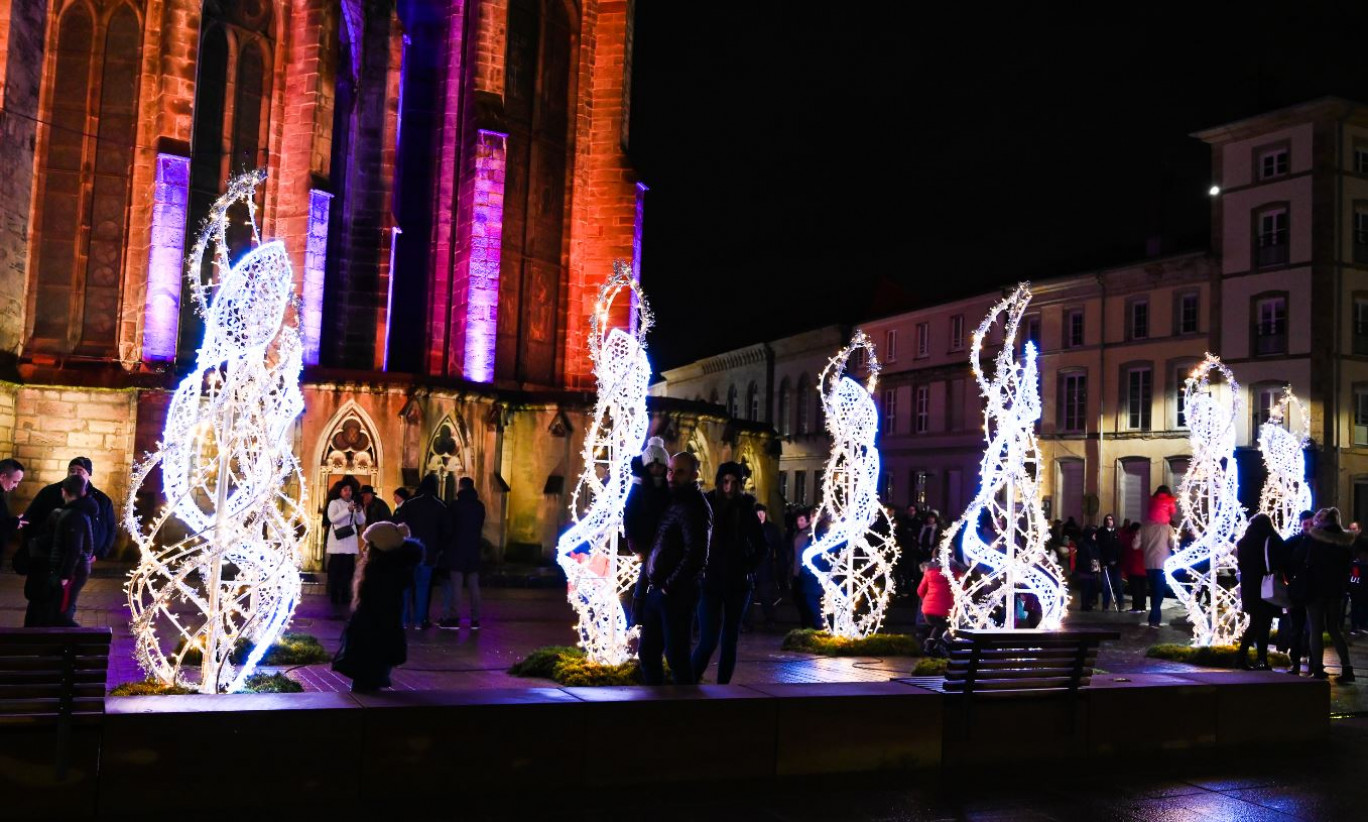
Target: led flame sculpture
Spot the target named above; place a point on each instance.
(596, 573)
(854, 558)
(1285, 493)
(1208, 499)
(220, 561)
(1004, 528)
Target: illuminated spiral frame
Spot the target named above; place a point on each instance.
(219, 561)
(1208, 498)
(1012, 558)
(1286, 492)
(596, 572)
(854, 558)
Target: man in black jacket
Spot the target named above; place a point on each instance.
(103, 526)
(67, 540)
(460, 560)
(735, 550)
(11, 474)
(677, 556)
(428, 522)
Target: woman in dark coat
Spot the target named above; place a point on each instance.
(373, 642)
(1087, 567)
(1260, 551)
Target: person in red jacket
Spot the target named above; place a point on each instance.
(1133, 566)
(936, 602)
(1163, 506)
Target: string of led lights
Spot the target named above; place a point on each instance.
(597, 574)
(854, 558)
(1208, 498)
(219, 562)
(1285, 492)
(1003, 530)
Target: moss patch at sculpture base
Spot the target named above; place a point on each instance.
(1215, 656)
(820, 642)
(149, 687)
(568, 666)
(288, 649)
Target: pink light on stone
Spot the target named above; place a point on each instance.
(641, 190)
(315, 262)
(165, 258)
(486, 244)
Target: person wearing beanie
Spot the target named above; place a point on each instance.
(373, 641)
(1329, 554)
(647, 500)
(103, 525)
(736, 549)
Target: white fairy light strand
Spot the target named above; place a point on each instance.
(1208, 498)
(853, 560)
(228, 541)
(597, 575)
(1285, 492)
(1007, 556)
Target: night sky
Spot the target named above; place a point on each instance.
(816, 163)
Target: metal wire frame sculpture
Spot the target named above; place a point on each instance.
(1208, 499)
(854, 558)
(1286, 492)
(1003, 530)
(219, 561)
(597, 573)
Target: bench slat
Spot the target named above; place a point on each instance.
(1020, 663)
(80, 663)
(55, 651)
(1031, 673)
(49, 719)
(24, 707)
(1005, 653)
(1046, 683)
(97, 675)
(50, 690)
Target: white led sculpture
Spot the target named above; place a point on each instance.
(597, 575)
(853, 559)
(1004, 528)
(219, 562)
(1285, 493)
(1208, 499)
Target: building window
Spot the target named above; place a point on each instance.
(923, 339)
(890, 405)
(1361, 159)
(800, 402)
(1073, 328)
(733, 403)
(885, 485)
(753, 401)
(1361, 234)
(783, 485)
(957, 332)
(800, 487)
(1180, 375)
(1138, 320)
(1272, 237)
(1272, 163)
(954, 406)
(785, 408)
(920, 480)
(1031, 332)
(923, 410)
(1361, 414)
(891, 345)
(1185, 317)
(1361, 325)
(1262, 400)
(1270, 326)
(1139, 398)
(1073, 390)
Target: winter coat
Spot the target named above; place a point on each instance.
(646, 504)
(1328, 557)
(73, 537)
(429, 523)
(775, 555)
(374, 637)
(737, 544)
(681, 545)
(1086, 554)
(802, 540)
(378, 511)
(1249, 557)
(1132, 557)
(340, 515)
(1162, 508)
(466, 526)
(1108, 547)
(935, 595)
(103, 526)
(1155, 540)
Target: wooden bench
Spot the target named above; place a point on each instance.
(1022, 661)
(52, 696)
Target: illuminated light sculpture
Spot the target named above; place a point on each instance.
(1004, 527)
(227, 543)
(1208, 499)
(1285, 493)
(853, 560)
(597, 575)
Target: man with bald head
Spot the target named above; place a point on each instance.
(673, 566)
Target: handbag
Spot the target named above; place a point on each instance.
(344, 531)
(1273, 590)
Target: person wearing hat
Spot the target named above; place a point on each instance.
(647, 500)
(1328, 555)
(103, 526)
(735, 550)
(373, 641)
(377, 510)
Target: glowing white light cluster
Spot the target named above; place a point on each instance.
(596, 573)
(1004, 526)
(1208, 498)
(228, 541)
(854, 558)
(1285, 493)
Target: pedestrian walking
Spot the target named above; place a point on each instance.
(459, 563)
(735, 549)
(672, 570)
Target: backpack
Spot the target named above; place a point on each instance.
(38, 546)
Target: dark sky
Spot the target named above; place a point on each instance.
(799, 153)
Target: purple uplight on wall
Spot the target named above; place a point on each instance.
(315, 259)
(641, 190)
(395, 231)
(165, 258)
(486, 243)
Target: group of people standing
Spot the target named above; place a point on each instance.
(65, 529)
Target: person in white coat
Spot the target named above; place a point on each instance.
(346, 518)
